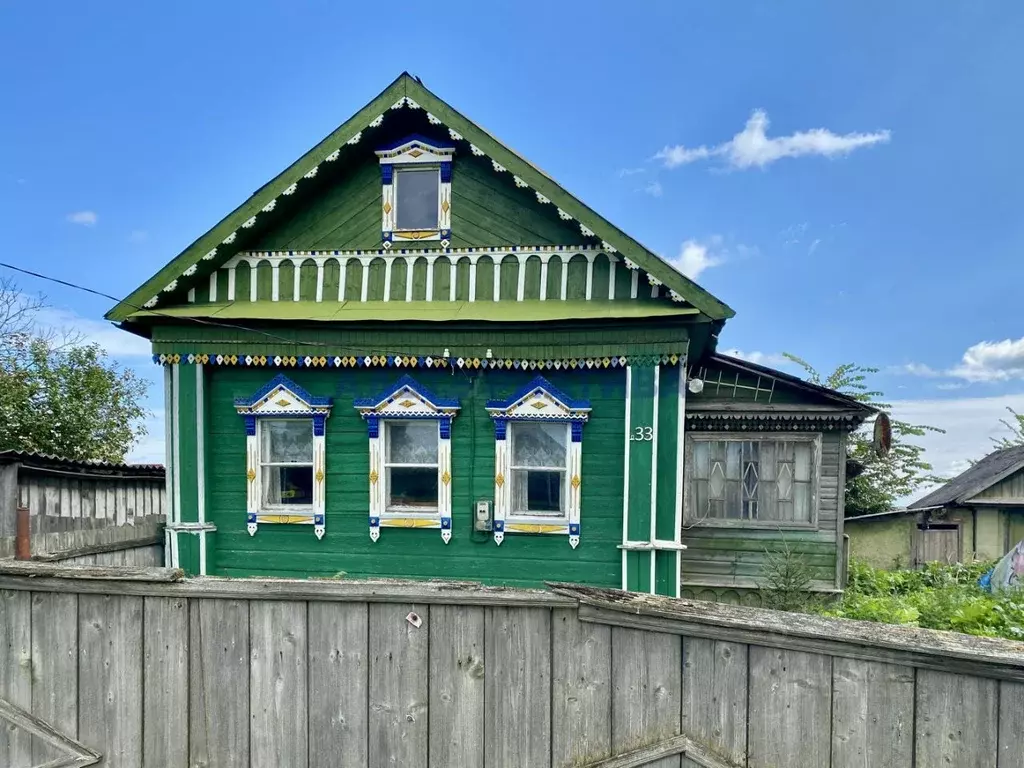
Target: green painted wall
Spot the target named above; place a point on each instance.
(883, 543)
(487, 209)
(525, 560)
(991, 533)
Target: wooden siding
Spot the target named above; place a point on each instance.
(735, 556)
(487, 209)
(522, 559)
(293, 674)
(1009, 489)
(68, 512)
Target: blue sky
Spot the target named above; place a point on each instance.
(890, 237)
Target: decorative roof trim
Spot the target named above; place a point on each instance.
(538, 395)
(413, 361)
(415, 141)
(751, 421)
(405, 87)
(390, 402)
(281, 385)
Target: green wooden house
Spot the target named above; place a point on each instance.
(413, 354)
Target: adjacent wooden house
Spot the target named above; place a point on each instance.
(978, 515)
(413, 354)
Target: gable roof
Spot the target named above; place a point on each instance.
(984, 474)
(408, 92)
(837, 398)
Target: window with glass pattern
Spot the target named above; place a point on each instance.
(539, 461)
(753, 479)
(286, 462)
(410, 463)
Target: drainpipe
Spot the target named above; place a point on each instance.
(974, 532)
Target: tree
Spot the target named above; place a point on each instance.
(884, 480)
(62, 396)
(1016, 427)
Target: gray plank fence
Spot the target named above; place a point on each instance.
(84, 513)
(134, 667)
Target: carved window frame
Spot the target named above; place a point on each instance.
(538, 401)
(408, 400)
(282, 398)
(415, 152)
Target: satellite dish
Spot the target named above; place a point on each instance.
(882, 441)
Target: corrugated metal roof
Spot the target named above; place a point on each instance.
(49, 461)
(974, 480)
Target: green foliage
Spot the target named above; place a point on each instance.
(885, 479)
(62, 397)
(787, 581)
(937, 597)
(1016, 427)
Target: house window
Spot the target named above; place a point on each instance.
(752, 480)
(416, 191)
(416, 198)
(540, 460)
(538, 450)
(285, 467)
(286, 463)
(410, 463)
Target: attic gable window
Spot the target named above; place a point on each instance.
(416, 191)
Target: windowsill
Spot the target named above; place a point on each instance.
(518, 517)
(409, 512)
(770, 525)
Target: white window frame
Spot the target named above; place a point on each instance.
(526, 516)
(281, 509)
(407, 400)
(538, 401)
(692, 517)
(282, 398)
(416, 153)
(399, 511)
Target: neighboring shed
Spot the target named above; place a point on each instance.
(979, 514)
(81, 510)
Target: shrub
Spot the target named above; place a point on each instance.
(937, 597)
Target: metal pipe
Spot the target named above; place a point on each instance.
(23, 535)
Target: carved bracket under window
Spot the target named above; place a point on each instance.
(285, 466)
(416, 191)
(410, 466)
(538, 474)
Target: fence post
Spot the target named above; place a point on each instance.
(23, 535)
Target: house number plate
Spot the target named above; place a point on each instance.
(641, 434)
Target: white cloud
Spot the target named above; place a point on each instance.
(992, 361)
(814, 246)
(970, 423)
(654, 189)
(771, 359)
(694, 257)
(752, 147)
(623, 172)
(986, 361)
(117, 343)
(85, 218)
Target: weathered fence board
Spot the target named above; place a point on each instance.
(580, 690)
(175, 673)
(790, 709)
(54, 665)
(15, 672)
(646, 690)
(219, 683)
(517, 675)
(398, 684)
(872, 714)
(715, 696)
(338, 685)
(110, 677)
(456, 686)
(277, 684)
(165, 682)
(957, 720)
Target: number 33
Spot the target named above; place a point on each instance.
(642, 433)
